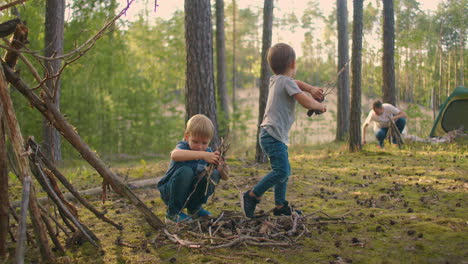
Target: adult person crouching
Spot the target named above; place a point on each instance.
(380, 115)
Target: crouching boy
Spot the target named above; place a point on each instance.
(178, 187)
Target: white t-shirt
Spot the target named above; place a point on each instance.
(382, 120)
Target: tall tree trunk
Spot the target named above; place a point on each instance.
(355, 113)
(264, 73)
(342, 121)
(234, 80)
(462, 60)
(4, 221)
(200, 92)
(221, 69)
(388, 61)
(54, 24)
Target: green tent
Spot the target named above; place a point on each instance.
(453, 113)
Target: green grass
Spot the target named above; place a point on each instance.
(407, 206)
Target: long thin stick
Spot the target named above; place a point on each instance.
(68, 185)
(21, 241)
(5, 6)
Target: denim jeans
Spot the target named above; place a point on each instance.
(382, 132)
(175, 192)
(277, 152)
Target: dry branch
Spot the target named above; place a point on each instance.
(24, 171)
(21, 239)
(8, 27)
(53, 115)
(4, 201)
(37, 151)
(8, 5)
(44, 181)
(19, 39)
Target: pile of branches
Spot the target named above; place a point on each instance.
(231, 229)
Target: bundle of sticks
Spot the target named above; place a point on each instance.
(394, 134)
(230, 229)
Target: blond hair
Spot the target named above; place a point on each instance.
(200, 126)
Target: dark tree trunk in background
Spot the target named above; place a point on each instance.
(54, 23)
(342, 121)
(388, 61)
(355, 112)
(200, 92)
(221, 70)
(265, 73)
(234, 80)
(4, 221)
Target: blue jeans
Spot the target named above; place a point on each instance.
(176, 191)
(277, 152)
(382, 132)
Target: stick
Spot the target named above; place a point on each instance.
(52, 234)
(5, 6)
(24, 170)
(68, 185)
(51, 113)
(57, 223)
(45, 183)
(176, 239)
(21, 242)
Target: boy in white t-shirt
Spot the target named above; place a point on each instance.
(381, 115)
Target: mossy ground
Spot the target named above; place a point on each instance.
(407, 206)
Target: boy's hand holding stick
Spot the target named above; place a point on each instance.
(328, 90)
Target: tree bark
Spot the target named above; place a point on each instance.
(200, 93)
(68, 131)
(388, 60)
(234, 79)
(342, 121)
(264, 73)
(54, 24)
(23, 165)
(4, 202)
(355, 112)
(20, 37)
(221, 70)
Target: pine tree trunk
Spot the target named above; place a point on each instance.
(221, 70)
(388, 61)
(264, 73)
(54, 24)
(355, 115)
(342, 122)
(234, 79)
(200, 92)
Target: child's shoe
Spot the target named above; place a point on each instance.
(200, 212)
(285, 210)
(248, 205)
(181, 217)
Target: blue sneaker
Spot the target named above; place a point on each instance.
(248, 204)
(181, 217)
(200, 212)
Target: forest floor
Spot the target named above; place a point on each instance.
(401, 206)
